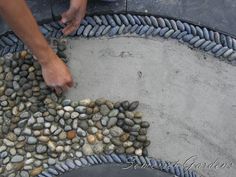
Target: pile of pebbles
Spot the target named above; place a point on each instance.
(39, 128)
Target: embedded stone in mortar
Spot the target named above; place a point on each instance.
(41, 128)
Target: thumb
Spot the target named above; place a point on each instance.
(68, 15)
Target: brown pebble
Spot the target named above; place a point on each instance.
(109, 104)
(99, 136)
(36, 171)
(18, 166)
(95, 109)
(23, 54)
(71, 134)
(124, 137)
(91, 139)
(89, 111)
(138, 115)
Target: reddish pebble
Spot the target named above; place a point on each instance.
(71, 134)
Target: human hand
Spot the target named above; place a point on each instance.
(56, 75)
(74, 15)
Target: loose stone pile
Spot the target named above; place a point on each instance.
(39, 129)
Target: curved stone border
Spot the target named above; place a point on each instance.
(220, 45)
(141, 161)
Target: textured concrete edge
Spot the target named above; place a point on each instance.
(218, 44)
(148, 162)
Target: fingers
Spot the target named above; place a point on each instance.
(62, 88)
(74, 22)
(68, 15)
(72, 26)
(70, 83)
(58, 90)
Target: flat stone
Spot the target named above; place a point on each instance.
(116, 131)
(51, 161)
(113, 113)
(8, 142)
(104, 110)
(111, 122)
(17, 158)
(41, 149)
(87, 150)
(31, 140)
(71, 134)
(98, 148)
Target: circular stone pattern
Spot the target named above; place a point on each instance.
(39, 128)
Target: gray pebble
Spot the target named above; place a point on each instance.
(80, 30)
(180, 25)
(81, 132)
(124, 19)
(221, 51)
(97, 19)
(93, 31)
(113, 31)
(149, 31)
(144, 30)
(216, 48)
(194, 40)
(87, 30)
(113, 113)
(106, 30)
(187, 28)
(104, 20)
(163, 31)
(136, 19)
(110, 20)
(131, 19)
(31, 140)
(100, 30)
(206, 34)
(104, 110)
(24, 173)
(154, 21)
(51, 161)
(41, 149)
(169, 33)
(161, 22)
(117, 19)
(111, 122)
(156, 31)
(78, 163)
(17, 158)
(90, 20)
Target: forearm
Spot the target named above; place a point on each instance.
(20, 19)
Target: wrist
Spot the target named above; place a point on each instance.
(45, 55)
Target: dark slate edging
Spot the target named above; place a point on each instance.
(215, 14)
(218, 44)
(141, 161)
